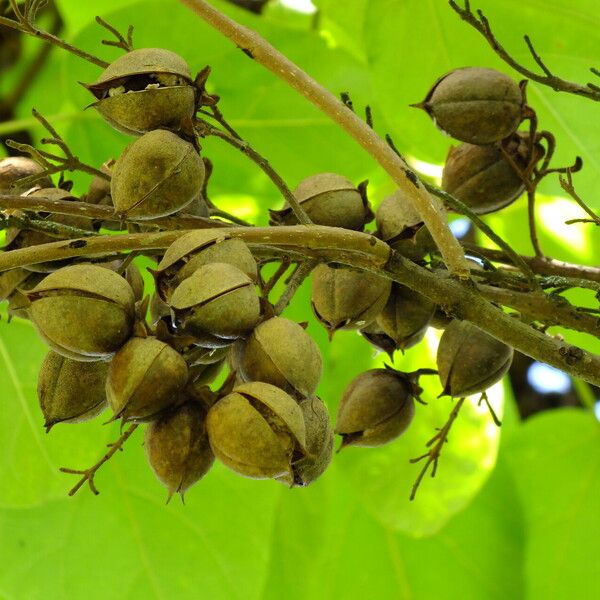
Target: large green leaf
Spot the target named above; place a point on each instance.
(555, 461)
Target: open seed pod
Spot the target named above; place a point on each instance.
(144, 90)
(328, 199)
(399, 224)
(18, 304)
(319, 445)
(475, 105)
(257, 430)
(145, 377)
(216, 300)
(280, 352)
(198, 248)
(405, 317)
(177, 447)
(344, 298)
(13, 168)
(84, 312)
(156, 175)
(376, 408)
(71, 391)
(99, 189)
(11, 280)
(482, 178)
(205, 374)
(469, 360)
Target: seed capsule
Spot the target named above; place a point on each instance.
(145, 377)
(405, 318)
(280, 352)
(145, 90)
(198, 248)
(84, 312)
(344, 298)
(469, 360)
(475, 105)
(399, 224)
(257, 430)
(319, 445)
(376, 408)
(13, 168)
(216, 300)
(71, 391)
(482, 178)
(328, 199)
(156, 175)
(177, 448)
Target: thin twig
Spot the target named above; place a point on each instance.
(48, 227)
(567, 185)
(300, 274)
(535, 242)
(21, 23)
(272, 281)
(437, 443)
(481, 24)
(484, 398)
(121, 42)
(89, 474)
(234, 140)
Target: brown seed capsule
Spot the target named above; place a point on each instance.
(198, 248)
(13, 168)
(328, 199)
(156, 175)
(344, 298)
(71, 391)
(376, 408)
(405, 317)
(475, 105)
(177, 448)
(280, 352)
(205, 374)
(257, 430)
(144, 90)
(84, 312)
(319, 445)
(216, 300)
(145, 377)
(469, 360)
(399, 224)
(482, 178)
(18, 304)
(99, 190)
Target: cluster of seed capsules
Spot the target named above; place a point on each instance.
(154, 361)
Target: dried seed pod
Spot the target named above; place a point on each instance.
(257, 430)
(11, 280)
(405, 317)
(376, 408)
(475, 105)
(156, 175)
(344, 298)
(198, 248)
(319, 445)
(399, 224)
(84, 312)
(469, 360)
(144, 90)
(135, 280)
(328, 199)
(482, 178)
(145, 377)
(71, 391)
(18, 304)
(280, 352)
(13, 168)
(177, 448)
(218, 300)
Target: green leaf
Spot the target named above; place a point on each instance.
(31, 458)
(555, 463)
